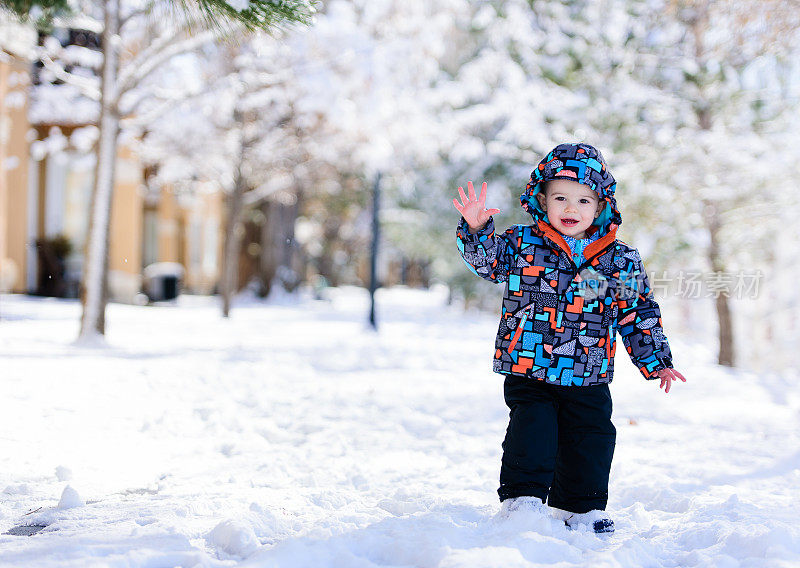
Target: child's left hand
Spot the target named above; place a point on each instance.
(667, 376)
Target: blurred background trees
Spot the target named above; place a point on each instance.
(692, 103)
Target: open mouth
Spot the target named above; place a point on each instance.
(569, 222)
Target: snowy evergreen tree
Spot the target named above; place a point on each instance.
(507, 94)
(704, 144)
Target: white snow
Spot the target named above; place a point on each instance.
(64, 104)
(70, 499)
(239, 5)
(234, 537)
(63, 473)
(15, 38)
(291, 435)
(9, 163)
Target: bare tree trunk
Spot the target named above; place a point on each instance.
(726, 355)
(726, 350)
(94, 293)
(270, 241)
(276, 262)
(289, 259)
(233, 236)
(325, 264)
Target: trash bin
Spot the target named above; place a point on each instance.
(162, 281)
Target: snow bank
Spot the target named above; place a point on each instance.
(292, 435)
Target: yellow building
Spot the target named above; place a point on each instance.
(14, 253)
(45, 192)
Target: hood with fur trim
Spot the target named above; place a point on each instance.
(578, 162)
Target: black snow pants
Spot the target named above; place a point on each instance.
(559, 443)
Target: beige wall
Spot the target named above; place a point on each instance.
(202, 245)
(188, 232)
(170, 222)
(14, 152)
(125, 252)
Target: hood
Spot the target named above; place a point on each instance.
(582, 163)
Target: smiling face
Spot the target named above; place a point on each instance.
(571, 207)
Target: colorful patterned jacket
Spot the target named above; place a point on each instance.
(560, 318)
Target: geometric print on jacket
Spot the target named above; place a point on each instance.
(559, 319)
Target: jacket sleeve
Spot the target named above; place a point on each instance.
(488, 255)
(639, 318)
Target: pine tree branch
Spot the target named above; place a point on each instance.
(217, 15)
(258, 15)
(44, 11)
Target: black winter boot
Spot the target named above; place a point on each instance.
(597, 520)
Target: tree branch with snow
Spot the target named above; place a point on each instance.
(162, 51)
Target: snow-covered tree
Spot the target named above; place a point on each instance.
(137, 37)
(509, 90)
(245, 133)
(331, 106)
(704, 142)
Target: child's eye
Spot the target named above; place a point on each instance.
(560, 198)
(584, 201)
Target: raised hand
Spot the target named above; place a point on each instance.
(667, 376)
(473, 208)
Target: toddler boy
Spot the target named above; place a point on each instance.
(570, 286)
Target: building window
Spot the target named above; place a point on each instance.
(211, 247)
(68, 196)
(150, 236)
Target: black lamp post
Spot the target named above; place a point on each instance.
(373, 279)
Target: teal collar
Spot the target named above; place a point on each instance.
(577, 246)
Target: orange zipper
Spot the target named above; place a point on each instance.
(520, 326)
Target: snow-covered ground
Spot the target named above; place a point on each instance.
(291, 435)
